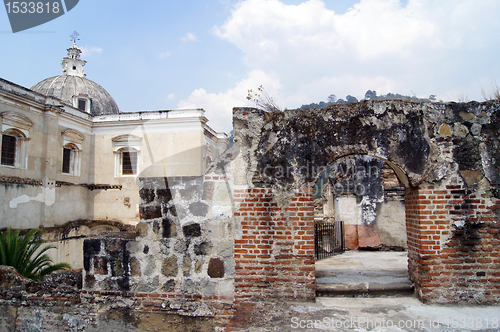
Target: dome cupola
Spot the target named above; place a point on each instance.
(75, 89)
(72, 64)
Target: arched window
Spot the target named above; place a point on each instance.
(128, 161)
(208, 161)
(127, 153)
(12, 141)
(71, 152)
(15, 136)
(71, 160)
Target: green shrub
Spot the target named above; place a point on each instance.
(26, 254)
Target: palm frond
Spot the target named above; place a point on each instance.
(27, 254)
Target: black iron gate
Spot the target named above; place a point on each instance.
(328, 238)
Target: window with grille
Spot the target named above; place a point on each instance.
(129, 162)
(127, 149)
(71, 151)
(9, 150)
(82, 105)
(71, 160)
(15, 137)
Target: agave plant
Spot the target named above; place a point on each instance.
(26, 254)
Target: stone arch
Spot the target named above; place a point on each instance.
(402, 177)
(396, 133)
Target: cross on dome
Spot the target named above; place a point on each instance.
(74, 37)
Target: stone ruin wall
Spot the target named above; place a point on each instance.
(244, 231)
(181, 258)
(175, 270)
(59, 304)
(446, 155)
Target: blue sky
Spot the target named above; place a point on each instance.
(157, 54)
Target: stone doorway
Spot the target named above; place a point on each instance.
(366, 195)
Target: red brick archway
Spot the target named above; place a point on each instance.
(275, 256)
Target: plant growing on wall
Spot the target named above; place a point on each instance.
(27, 254)
(263, 100)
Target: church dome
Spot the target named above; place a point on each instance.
(73, 88)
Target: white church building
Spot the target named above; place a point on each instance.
(69, 156)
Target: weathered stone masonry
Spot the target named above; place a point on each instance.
(181, 258)
(244, 230)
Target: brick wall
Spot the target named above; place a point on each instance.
(453, 244)
(275, 255)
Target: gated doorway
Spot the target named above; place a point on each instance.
(360, 229)
(364, 193)
(328, 238)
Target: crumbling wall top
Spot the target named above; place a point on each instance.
(291, 148)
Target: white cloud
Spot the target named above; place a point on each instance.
(171, 96)
(164, 55)
(426, 46)
(190, 37)
(88, 51)
(219, 106)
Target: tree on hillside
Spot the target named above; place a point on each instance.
(370, 94)
(351, 99)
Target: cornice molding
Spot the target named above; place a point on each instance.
(16, 120)
(73, 136)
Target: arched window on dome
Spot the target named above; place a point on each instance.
(15, 137)
(127, 153)
(82, 104)
(71, 152)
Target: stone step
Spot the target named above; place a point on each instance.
(366, 289)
